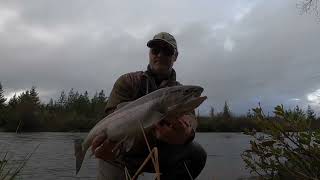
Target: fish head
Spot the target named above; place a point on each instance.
(172, 102)
(177, 94)
(187, 97)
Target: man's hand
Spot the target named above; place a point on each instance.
(102, 147)
(178, 131)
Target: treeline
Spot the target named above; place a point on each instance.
(226, 121)
(72, 111)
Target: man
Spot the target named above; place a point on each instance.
(179, 156)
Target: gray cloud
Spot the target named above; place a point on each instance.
(242, 52)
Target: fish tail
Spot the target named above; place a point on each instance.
(79, 153)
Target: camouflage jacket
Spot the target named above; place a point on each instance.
(134, 85)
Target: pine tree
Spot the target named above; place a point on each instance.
(211, 112)
(51, 104)
(299, 112)
(2, 106)
(13, 101)
(311, 114)
(27, 110)
(71, 97)
(2, 98)
(82, 103)
(34, 96)
(98, 104)
(101, 97)
(86, 97)
(24, 97)
(249, 114)
(226, 111)
(62, 101)
(95, 99)
(296, 114)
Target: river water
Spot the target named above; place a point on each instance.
(54, 160)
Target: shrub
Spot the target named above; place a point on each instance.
(286, 148)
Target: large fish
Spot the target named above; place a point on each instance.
(124, 124)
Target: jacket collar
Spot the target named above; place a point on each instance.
(151, 78)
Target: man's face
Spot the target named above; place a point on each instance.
(161, 58)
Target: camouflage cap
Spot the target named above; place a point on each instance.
(165, 37)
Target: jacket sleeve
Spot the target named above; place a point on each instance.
(122, 91)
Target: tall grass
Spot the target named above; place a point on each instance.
(10, 168)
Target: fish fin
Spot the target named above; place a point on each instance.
(153, 118)
(122, 104)
(128, 143)
(119, 143)
(125, 143)
(79, 153)
(91, 155)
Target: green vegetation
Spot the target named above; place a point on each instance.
(70, 112)
(227, 122)
(74, 111)
(287, 147)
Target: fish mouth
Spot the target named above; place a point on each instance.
(202, 97)
(197, 97)
(187, 106)
(193, 91)
(197, 92)
(194, 95)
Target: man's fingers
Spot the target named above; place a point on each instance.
(179, 125)
(104, 150)
(162, 128)
(105, 146)
(97, 141)
(184, 122)
(98, 152)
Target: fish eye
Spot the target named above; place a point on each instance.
(187, 91)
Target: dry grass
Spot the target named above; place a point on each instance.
(9, 168)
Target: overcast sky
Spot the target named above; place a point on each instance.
(240, 51)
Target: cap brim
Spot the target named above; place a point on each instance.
(155, 41)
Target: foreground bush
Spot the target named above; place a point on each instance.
(286, 148)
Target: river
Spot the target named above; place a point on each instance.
(54, 160)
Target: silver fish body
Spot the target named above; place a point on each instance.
(125, 122)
